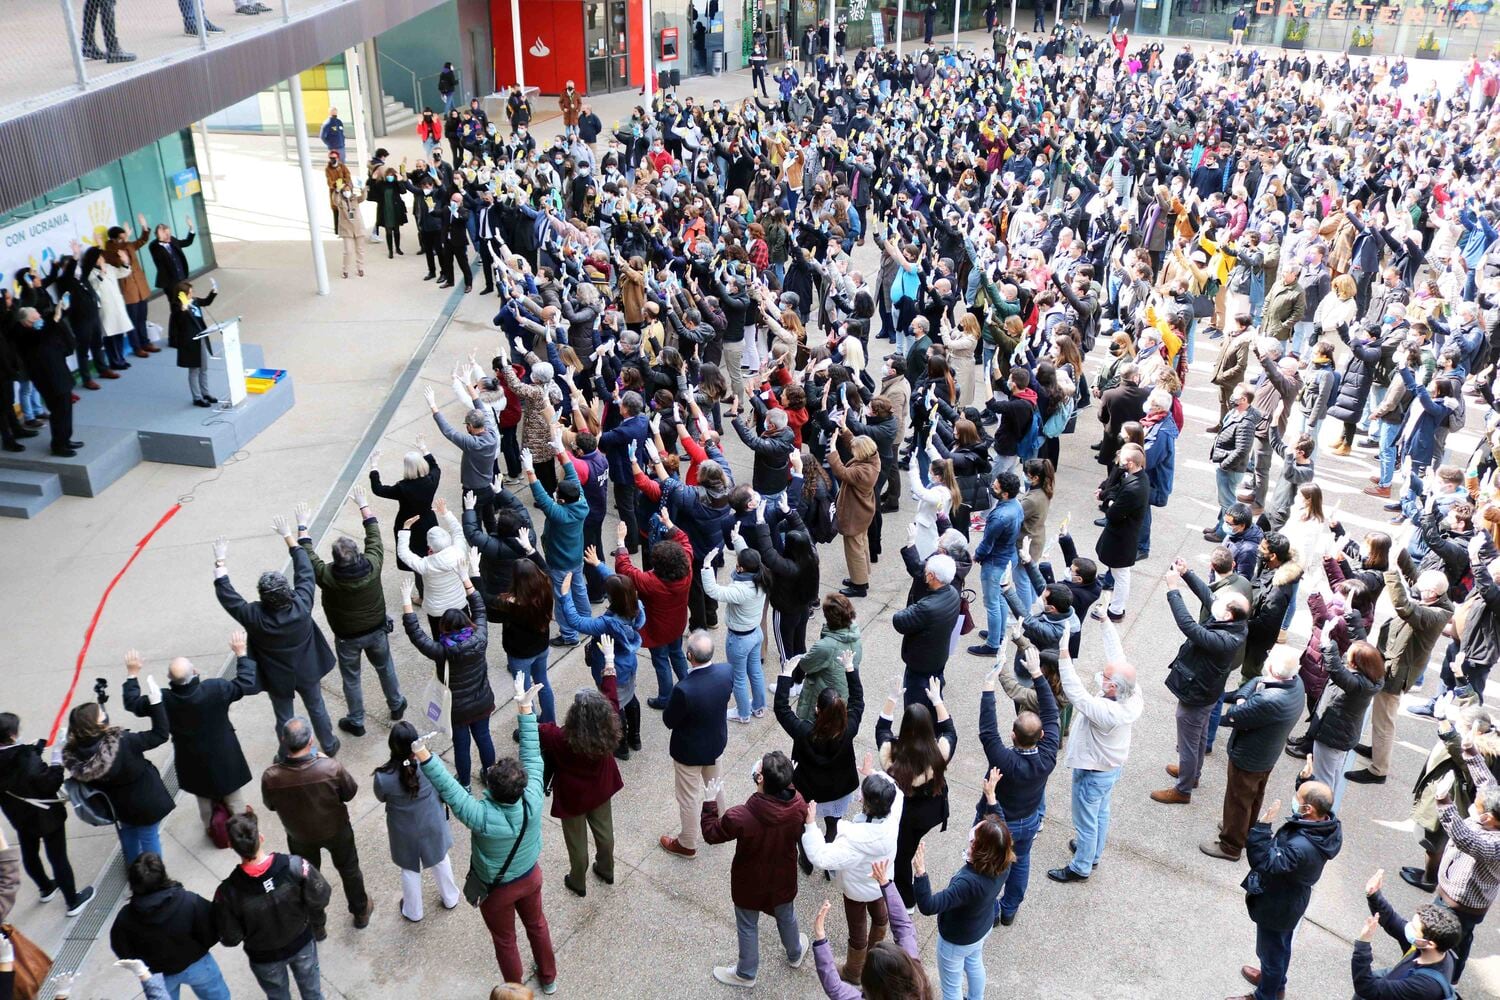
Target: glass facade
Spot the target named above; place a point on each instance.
(323, 87)
(144, 182)
(1420, 29)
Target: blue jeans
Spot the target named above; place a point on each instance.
(743, 653)
(1213, 724)
(303, 966)
(1291, 606)
(1274, 949)
(137, 840)
(1386, 435)
(995, 609)
(955, 961)
(668, 661)
(480, 731)
(31, 401)
(1187, 344)
(1091, 794)
(1022, 832)
(203, 976)
(580, 598)
(1143, 546)
(533, 670)
(1226, 483)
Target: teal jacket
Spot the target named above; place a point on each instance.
(562, 537)
(495, 826)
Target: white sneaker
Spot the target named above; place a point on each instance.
(806, 947)
(727, 975)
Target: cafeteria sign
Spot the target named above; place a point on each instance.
(185, 182)
(1355, 10)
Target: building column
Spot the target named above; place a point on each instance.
(515, 41)
(311, 190)
(648, 60)
(352, 66)
(900, 23)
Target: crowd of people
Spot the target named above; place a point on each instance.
(688, 350)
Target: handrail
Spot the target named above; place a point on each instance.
(416, 85)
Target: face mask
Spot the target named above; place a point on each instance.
(1412, 931)
(38, 323)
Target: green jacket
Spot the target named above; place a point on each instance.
(821, 667)
(495, 827)
(354, 604)
(1407, 640)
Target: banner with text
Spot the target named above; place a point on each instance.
(37, 241)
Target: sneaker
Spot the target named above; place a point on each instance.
(548, 988)
(759, 713)
(727, 975)
(50, 894)
(806, 947)
(560, 643)
(1427, 709)
(82, 901)
(351, 727)
(983, 650)
(734, 716)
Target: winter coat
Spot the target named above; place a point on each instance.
(498, 554)
(353, 599)
(1419, 436)
(1235, 440)
(1408, 638)
(666, 603)
(1261, 715)
(496, 827)
(184, 324)
(1284, 867)
(763, 875)
(860, 843)
(581, 783)
(443, 569)
(414, 499)
(1359, 377)
(415, 824)
(105, 280)
(926, 628)
(24, 775)
(822, 773)
(168, 929)
(1283, 309)
(1161, 458)
(855, 509)
(461, 663)
(1342, 715)
(1271, 593)
(116, 765)
(820, 667)
(272, 912)
(287, 646)
(1197, 674)
(209, 760)
(1125, 506)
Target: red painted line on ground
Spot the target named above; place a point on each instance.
(88, 635)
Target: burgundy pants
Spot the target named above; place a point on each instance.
(499, 910)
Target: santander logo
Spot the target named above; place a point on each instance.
(540, 50)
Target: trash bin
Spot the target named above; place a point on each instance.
(719, 62)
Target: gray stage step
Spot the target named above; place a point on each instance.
(24, 492)
(108, 453)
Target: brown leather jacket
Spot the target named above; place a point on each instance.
(309, 794)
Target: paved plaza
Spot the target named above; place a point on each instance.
(1158, 919)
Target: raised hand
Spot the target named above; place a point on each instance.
(375, 460)
(991, 780)
(1271, 812)
(281, 526)
(1032, 658)
(523, 535)
(360, 497)
(440, 507)
(407, 585)
(879, 871)
(1376, 881)
(221, 548)
(407, 524)
(846, 659)
(819, 933)
(132, 662)
(469, 500)
(712, 789)
(590, 555)
(527, 465)
(431, 398)
(935, 691)
(303, 512)
(238, 642)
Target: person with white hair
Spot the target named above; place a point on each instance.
(536, 415)
(1098, 746)
(1260, 715)
(1406, 640)
(927, 628)
(445, 566)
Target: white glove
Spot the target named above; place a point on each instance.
(527, 465)
(651, 452)
(135, 967)
(712, 789)
(153, 692)
(55, 757)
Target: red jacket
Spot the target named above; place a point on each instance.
(666, 603)
(763, 875)
(581, 783)
(432, 130)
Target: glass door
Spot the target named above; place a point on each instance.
(596, 46)
(619, 45)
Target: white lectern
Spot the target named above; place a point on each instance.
(234, 363)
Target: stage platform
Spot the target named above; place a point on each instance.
(145, 415)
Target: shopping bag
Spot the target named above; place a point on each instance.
(437, 707)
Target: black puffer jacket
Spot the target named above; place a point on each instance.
(1344, 715)
(821, 773)
(1359, 379)
(461, 663)
(24, 775)
(116, 765)
(1198, 672)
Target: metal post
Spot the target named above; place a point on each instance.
(955, 25)
(75, 44)
(648, 81)
(901, 22)
(833, 16)
(202, 25)
(1012, 15)
(1057, 15)
(515, 39)
(310, 191)
(286, 10)
(207, 173)
(357, 105)
(280, 118)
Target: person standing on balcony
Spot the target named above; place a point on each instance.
(190, 22)
(97, 12)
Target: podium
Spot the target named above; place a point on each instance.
(230, 353)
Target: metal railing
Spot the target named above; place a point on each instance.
(416, 81)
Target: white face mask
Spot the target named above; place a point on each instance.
(1412, 931)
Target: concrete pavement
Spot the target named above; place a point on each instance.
(1157, 912)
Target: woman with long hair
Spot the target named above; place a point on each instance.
(961, 343)
(916, 760)
(972, 470)
(892, 970)
(858, 505)
(458, 648)
(1343, 713)
(823, 749)
(113, 761)
(415, 823)
(664, 593)
(788, 552)
(943, 497)
(586, 776)
(624, 615)
(966, 908)
(744, 600)
(1036, 504)
(525, 616)
(1307, 529)
(414, 493)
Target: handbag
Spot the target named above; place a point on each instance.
(437, 706)
(32, 965)
(476, 890)
(965, 616)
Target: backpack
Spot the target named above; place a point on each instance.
(1437, 977)
(822, 522)
(1031, 441)
(89, 804)
(1058, 422)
